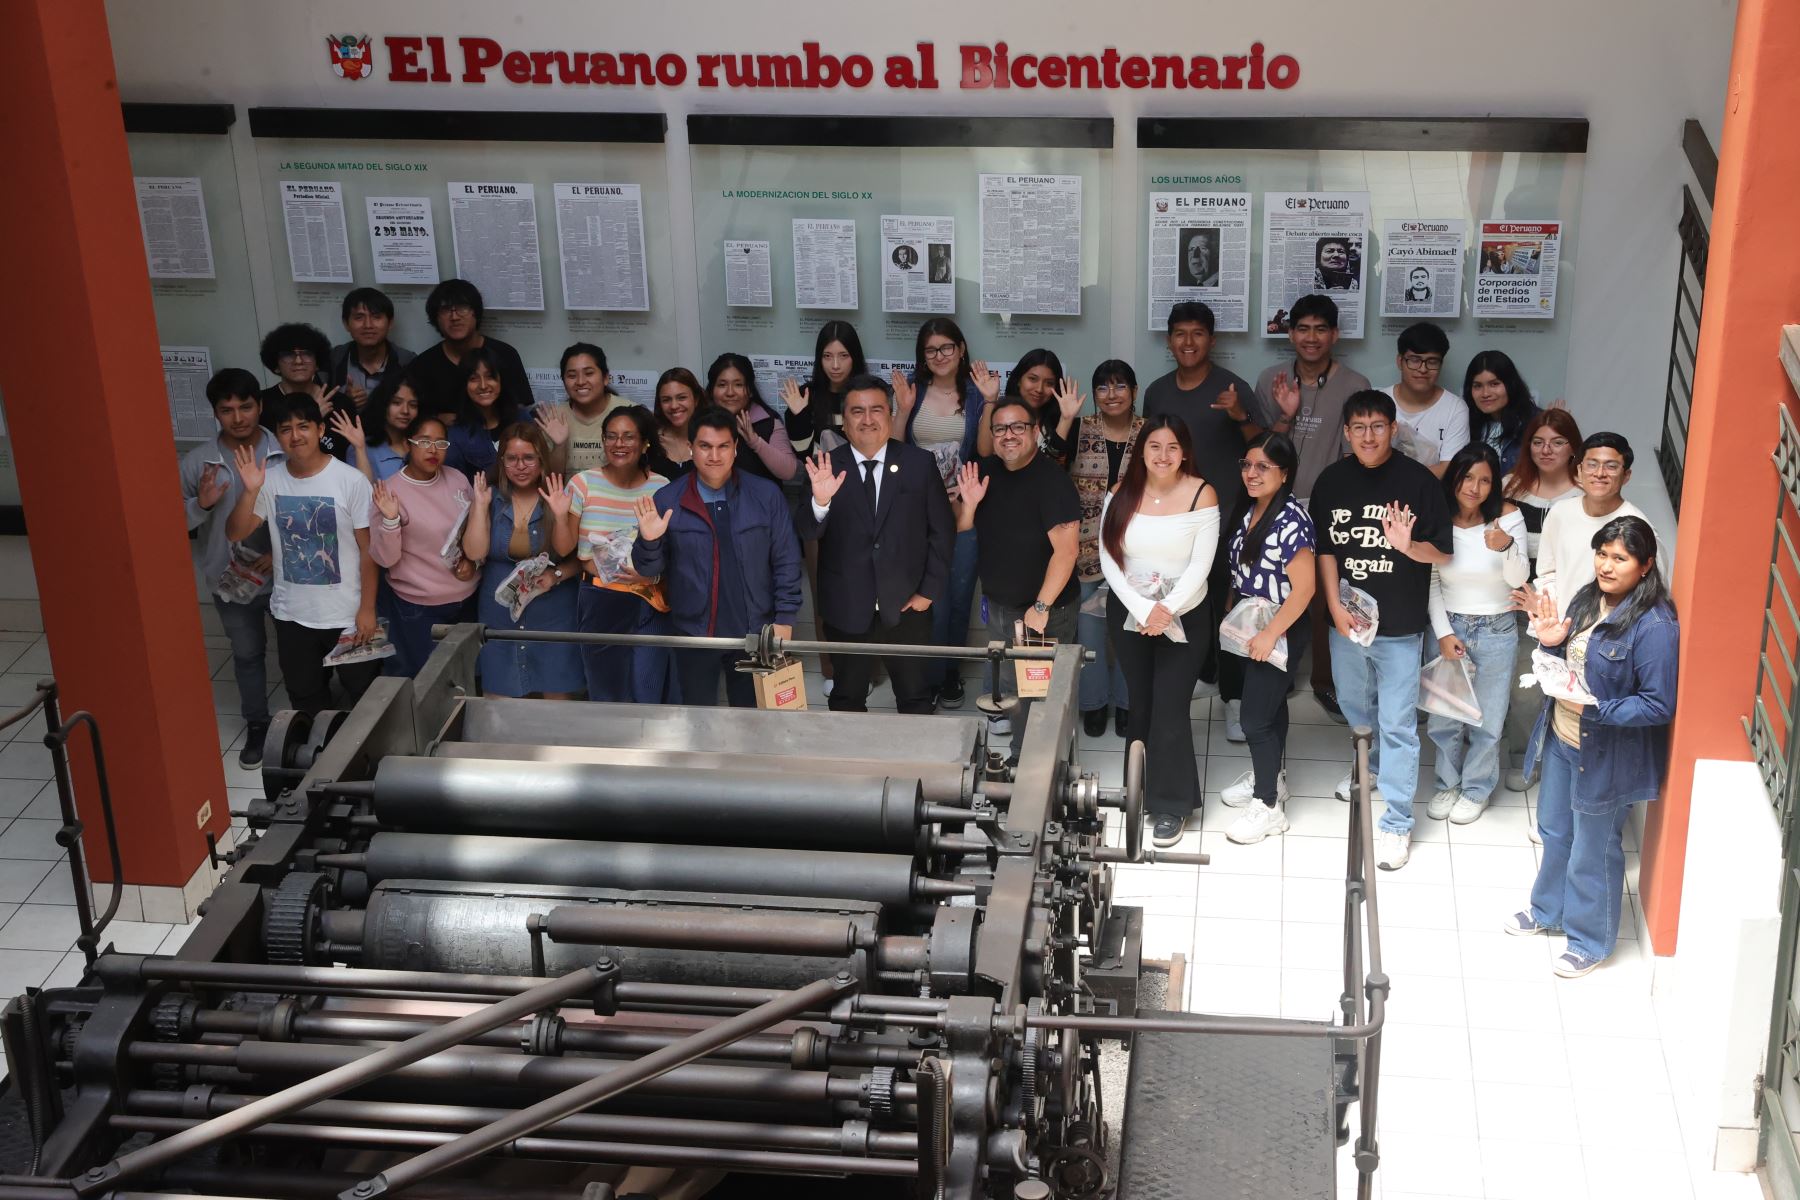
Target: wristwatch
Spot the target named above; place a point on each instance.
(1039, 606)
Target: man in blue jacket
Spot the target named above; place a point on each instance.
(723, 543)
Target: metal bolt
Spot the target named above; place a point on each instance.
(365, 1188)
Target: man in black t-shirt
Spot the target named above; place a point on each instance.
(1027, 521)
(1382, 523)
(455, 310)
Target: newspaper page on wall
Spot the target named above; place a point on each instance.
(1516, 265)
(1314, 242)
(493, 227)
(1031, 245)
(748, 282)
(172, 215)
(185, 372)
(1421, 266)
(600, 236)
(636, 386)
(918, 269)
(824, 263)
(1200, 250)
(318, 242)
(402, 239)
(771, 369)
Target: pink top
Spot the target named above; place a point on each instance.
(412, 551)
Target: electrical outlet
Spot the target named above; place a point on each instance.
(203, 816)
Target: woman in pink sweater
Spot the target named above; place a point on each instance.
(415, 533)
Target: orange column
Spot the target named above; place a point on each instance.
(1728, 509)
(94, 446)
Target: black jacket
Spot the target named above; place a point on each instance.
(882, 557)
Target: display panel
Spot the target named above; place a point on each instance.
(1461, 189)
(607, 236)
(919, 247)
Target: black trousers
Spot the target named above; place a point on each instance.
(913, 691)
(699, 671)
(301, 650)
(1264, 712)
(1159, 677)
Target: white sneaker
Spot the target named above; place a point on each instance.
(1346, 789)
(1515, 780)
(1467, 811)
(1000, 726)
(1392, 849)
(828, 684)
(1234, 724)
(1243, 791)
(1442, 802)
(1257, 822)
(1531, 831)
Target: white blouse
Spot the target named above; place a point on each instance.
(1477, 581)
(1175, 546)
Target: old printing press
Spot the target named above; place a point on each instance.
(559, 950)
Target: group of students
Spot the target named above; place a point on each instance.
(370, 486)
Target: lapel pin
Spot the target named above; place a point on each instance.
(893, 468)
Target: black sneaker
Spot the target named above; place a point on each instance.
(1168, 830)
(951, 694)
(1328, 701)
(1093, 722)
(251, 754)
(1120, 717)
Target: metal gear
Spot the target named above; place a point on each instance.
(290, 910)
(881, 1093)
(1031, 1057)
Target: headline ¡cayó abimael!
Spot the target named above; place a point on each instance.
(428, 59)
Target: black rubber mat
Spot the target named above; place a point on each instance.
(1228, 1118)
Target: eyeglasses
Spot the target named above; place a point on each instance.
(618, 439)
(429, 443)
(1594, 467)
(1416, 362)
(295, 356)
(1013, 429)
(1113, 389)
(944, 351)
(455, 310)
(519, 460)
(1372, 429)
(1551, 444)
(1245, 466)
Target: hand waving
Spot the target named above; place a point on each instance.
(986, 382)
(214, 481)
(1286, 393)
(348, 428)
(1549, 628)
(387, 501)
(747, 430)
(825, 482)
(1397, 526)
(971, 487)
(1069, 399)
(250, 468)
(793, 396)
(553, 419)
(651, 524)
(905, 396)
(483, 491)
(556, 495)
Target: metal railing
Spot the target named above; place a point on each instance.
(1678, 389)
(1774, 704)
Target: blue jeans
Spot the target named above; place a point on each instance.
(950, 619)
(1468, 756)
(409, 629)
(1378, 686)
(1102, 682)
(247, 627)
(1581, 883)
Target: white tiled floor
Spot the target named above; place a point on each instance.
(1499, 1079)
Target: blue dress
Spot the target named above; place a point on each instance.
(521, 668)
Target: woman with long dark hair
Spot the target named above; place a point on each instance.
(1102, 452)
(1158, 535)
(1622, 639)
(1472, 617)
(731, 384)
(1271, 559)
(678, 396)
(1500, 405)
(814, 409)
(1037, 379)
(943, 408)
(379, 434)
(484, 408)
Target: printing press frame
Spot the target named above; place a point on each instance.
(953, 1042)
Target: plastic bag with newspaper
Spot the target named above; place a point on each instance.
(1154, 585)
(347, 651)
(1247, 618)
(1365, 614)
(520, 587)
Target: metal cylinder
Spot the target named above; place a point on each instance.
(420, 925)
(691, 805)
(877, 878)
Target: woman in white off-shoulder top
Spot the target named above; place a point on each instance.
(1158, 532)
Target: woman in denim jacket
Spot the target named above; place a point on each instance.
(1600, 758)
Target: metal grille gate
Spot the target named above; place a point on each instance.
(1678, 391)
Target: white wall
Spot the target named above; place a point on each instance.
(1636, 69)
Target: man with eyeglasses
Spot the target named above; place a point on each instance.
(1565, 562)
(1382, 523)
(1027, 520)
(317, 512)
(298, 355)
(1434, 421)
(882, 522)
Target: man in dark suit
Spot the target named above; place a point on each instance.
(884, 528)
